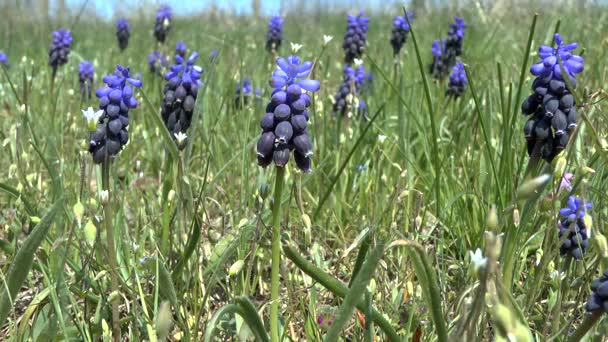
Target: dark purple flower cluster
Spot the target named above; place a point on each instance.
(244, 90)
(60, 49)
(3, 58)
(86, 73)
(157, 62)
(552, 106)
(180, 92)
(180, 49)
(458, 81)
(355, 36)
(123, 32)
(401, 29)
(162, 25)
(572, 225)
(599, 294)
(274, 37)
(445, 51)
(115, 99)
(349, 94)
(284, 124)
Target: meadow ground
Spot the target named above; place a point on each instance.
(377, 241)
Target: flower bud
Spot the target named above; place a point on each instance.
(78, 211)
(236, 268)
(532, 186)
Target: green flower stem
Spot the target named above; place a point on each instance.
(276, 255)
(587, 324)
(339, 289)
(107, 220)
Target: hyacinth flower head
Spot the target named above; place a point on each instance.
(116, 99)
(244, 89)
(458, 81)
(157, 62)
(86, 74)
(162, 25)
(446, 51)
(180, 92)
(284, 124)
(551, 107)
(123, 32)
(401, 29)
(348, 96)
(180, 49)
(274, 37)
(355, 37)
(3, 58)
(439, 67)
(598, 301)
(573, 225)
(60, 48)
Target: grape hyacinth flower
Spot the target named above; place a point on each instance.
(180, 92)
(552, 107)
(162, 25)
(573, 224)
(438, 68)
(458, 81)
(401, 29)
(355, 36)
(284, 124)
(115, 99)
(157, 62)
(123, 32)
(3, 58)
(180, 49)
(244, 89)
(86, 73)
(446, 51)
(599, 295)
(348, 96)
(274, 37)
(60, 48)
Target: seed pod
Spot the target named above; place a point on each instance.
(303, 145)
(281, 155)
(266, 144)
(283, 132)
(542, 129)
(551, 104)
(279, 97)
(267, 122)
(298, 106)
(572, 118)
(298, 122)
(282, 112)
(559, 123)
(557, 87)
(566, 102)
(302, 162)
(529, 129)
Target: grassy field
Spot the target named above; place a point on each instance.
(376, 240)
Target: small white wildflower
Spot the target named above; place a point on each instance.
(103, 196)
(381, 138)
(295, 47)
(166, 22)
(71, 92)
(327, 39)
(358, 62)
(477, 260)
(92, 117)
(181, 138)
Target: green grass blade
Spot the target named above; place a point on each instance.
(355, 293)
(21, 265)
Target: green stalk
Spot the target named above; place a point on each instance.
(587, 324)
(339, 289)
(107, 220)
(276, 255)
